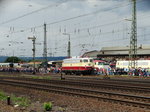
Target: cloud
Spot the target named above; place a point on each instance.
(2, 5)
(143, 5)
(94, 36)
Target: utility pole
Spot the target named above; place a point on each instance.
(45, 44)
(69, 45)
(69, 50)
(133, 39)
(45, 48)
(33, 40)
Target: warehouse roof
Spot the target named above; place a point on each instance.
(119, 50)
(91, 54)
(124, 48)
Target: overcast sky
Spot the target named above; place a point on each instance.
(92, 24)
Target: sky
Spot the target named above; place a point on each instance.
(92, 24)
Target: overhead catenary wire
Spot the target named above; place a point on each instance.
(105, 33)
(113, 31)
(38, 10)
(92, 27)
(110, 41)
(91, 13)
(63, 20)
(100, 42)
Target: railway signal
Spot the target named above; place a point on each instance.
(33, 40)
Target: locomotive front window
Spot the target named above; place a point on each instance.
(91, 60)
(100, 63)
(85, 60)
(106, 63)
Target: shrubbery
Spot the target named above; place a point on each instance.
(48, 106)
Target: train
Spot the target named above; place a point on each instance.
(5, 65)
(83, 66)
(77, 65)
(140, 64)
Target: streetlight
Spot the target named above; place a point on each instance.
(33, 40)
(69, 45)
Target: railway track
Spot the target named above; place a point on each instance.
(117, 82)
(137, 101)
(98, 80)
(99, 85)
(144, 81)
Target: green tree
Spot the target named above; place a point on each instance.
(13, 59)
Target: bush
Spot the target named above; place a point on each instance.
(48, 106)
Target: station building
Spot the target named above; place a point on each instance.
(118, 53)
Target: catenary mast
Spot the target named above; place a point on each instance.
(133, 38)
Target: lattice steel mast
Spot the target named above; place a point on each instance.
(133, 39)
